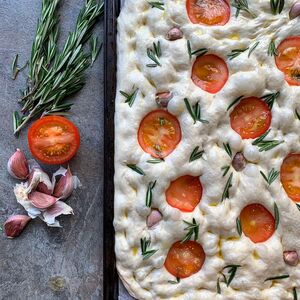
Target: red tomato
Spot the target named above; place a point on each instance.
(288, 59)
(208, 12)
(290, 176)
(185, 259)
(184, 193)
(159, 133)
(210, 73)
(53, 140)
(251, 118)
(257, 222)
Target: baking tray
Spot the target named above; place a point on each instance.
(110, 276)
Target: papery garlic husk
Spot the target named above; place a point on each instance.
(17, 165)
(66, 184)
(15, 225)
(41, 200)
(59, 208)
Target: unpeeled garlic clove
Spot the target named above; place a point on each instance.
(291, 258)
(174, 34)
(154, 218)
(239, 162)
(17, 165)
(162, 99)
(295, 11)
(41, 200)
(15, 225)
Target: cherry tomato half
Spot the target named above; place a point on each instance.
(210, 73)
(185, 259)
(251, 118)
(159, 133)
(208, 12)
(258, 224)
(288, 59)
(53, 140)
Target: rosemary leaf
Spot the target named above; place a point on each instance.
(151, 186)
(270, 98)
(155, 161)
(295, 294)
(231, 272)
(145, 243)
(228, 149)
(225, 169)
(218, 286)
(239, 226)
(272, 51)
(228, 185)
(157, 4)
(236, 52)
(199, 52)
(272, 175)
(196, 154)
(242, 5)
(174, 281)
(297, 114)
(277, 216)
(252, 48)
(14, 68)
(192, 229)
(266, 145)
(95, 49)
(136, 169)
(194, 111)
(154, 54)
(234, 102)
(277, 277)
(130, 98)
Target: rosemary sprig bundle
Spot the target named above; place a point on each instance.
(271, 177)
(264, 145)
(54, 75)
(277, 6)
(242, 5)
(194, 111)
(192, 229)
(145, 243)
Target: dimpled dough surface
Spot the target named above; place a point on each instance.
(140, 26)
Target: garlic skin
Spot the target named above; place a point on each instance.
(41, 200)
(15, 225)
(294, 11)
(17, 165)
(174, 34)
(66, 184)
(291, 258)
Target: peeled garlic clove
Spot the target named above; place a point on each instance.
(59, 208)
(239, 162)
(15, 225)
(291, 258)
(17, 165)
(40, 181)
(295, 11)
(154, 218)
(40, 200)
(174, 34)
(66, 184)
(162, 99)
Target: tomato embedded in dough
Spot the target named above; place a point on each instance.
(208, 12)
(258, 224)
(290, 176)
(288, 59)
(251, 118)
(159, 133)
(210, 73)
(184, 193)
(185, 259)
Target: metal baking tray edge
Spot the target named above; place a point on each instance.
(110, 276)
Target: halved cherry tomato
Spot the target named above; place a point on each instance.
(159, 133)
(288, 59)
(184, 193)
(185, 259)
(251, 118)
(290, 176)
(208, 12)
(53, 140)
(210, 73)
(257, 222)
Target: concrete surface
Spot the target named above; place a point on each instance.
(46, 263)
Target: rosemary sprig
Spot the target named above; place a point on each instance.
(196, 154)
(239, 226)
(95, 49)
(154, 54)
(192, 229)
(136, 169)
(228, 150)
(234, 102)
(266, 145)
(130, 98)
(236, 52)
(225, 169)
(272, 51)
(194, 111)
(277, 277)
(52, 75)
(145, 243)
(157, 4)
(277, 6)
(231, 272)
(151, 186)
(253, 48)
(242, 5)
(297, 114)
(270, 98)
(228, 185)
(155, 161)
(272, 175)
(277, 216)
(174, 281)
(199, 52)
(295, 294)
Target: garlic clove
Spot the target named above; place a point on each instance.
(295, 11)
(66, 184)
(40, 200)
(291, 258)
(174, 34)
(15, 225)
(162, 99)
(239, 162)
(154, 218)
(17, 165)
(39, 180)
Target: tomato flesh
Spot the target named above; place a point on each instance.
(251, 118)
(159, 133)
(185, 259)
(290, 176)
(184, 193)
(210, 73)
(288, 59)
(53, 140)
(208, 12)
(258, 224)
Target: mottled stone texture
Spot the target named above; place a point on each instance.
(46, 263)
